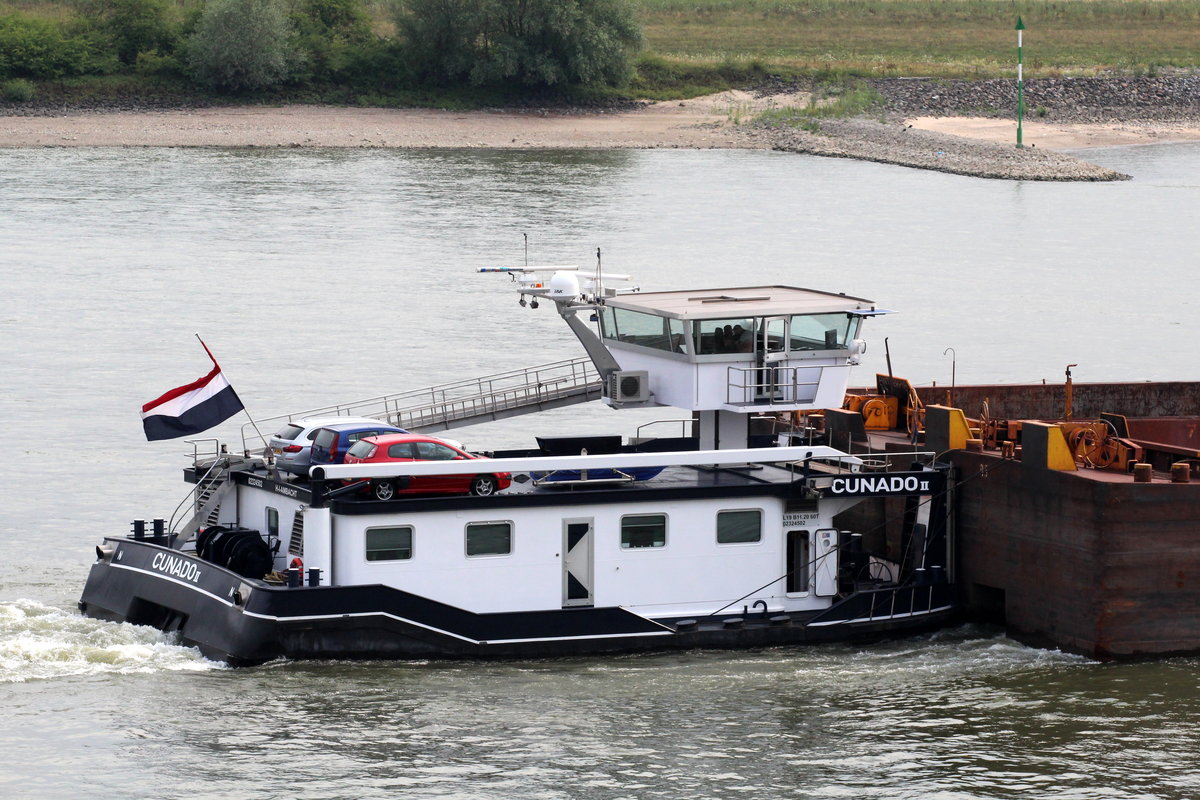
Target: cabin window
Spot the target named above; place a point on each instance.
(390, 544)
(644, 330)
(739, 527)
(723, 335)
(643, 530)
(489, 538)
(822, 331)
(272, 522)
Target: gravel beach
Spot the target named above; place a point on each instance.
(955, 127)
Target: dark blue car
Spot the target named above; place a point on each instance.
(330, 443)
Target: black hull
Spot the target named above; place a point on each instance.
(244, 621)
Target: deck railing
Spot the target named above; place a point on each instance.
(460, 402)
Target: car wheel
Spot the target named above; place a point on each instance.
(484, 485)
(383, 490)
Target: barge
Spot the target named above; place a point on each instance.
(734, 535)
(1078, 505)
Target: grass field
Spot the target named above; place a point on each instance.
(695, 47)
(966, 38)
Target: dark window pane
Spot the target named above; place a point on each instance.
(402, 450)
(389, 544)
(489, 538)
(644, 530)
(361, 449)
(739, 527)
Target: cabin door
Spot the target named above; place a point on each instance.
(770, 347)
(577, 562)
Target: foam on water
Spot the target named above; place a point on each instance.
(39, 642)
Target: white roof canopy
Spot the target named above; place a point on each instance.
(744, 301)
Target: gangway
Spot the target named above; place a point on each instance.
(461, 403)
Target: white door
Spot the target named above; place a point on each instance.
(825, 563)
(577, 562)
(770, 348)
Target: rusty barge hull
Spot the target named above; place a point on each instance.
(1088, 561)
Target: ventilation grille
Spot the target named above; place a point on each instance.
(296, 543)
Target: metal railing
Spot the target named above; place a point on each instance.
(500, 394)
(687, 427)
(769, 385)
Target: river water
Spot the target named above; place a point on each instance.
(323, 276)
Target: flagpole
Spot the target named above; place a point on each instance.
(215, 364)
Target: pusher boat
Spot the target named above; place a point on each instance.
(745, 530)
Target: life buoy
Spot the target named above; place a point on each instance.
(297, 563)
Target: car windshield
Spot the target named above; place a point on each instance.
(362, 449)
(290, 432)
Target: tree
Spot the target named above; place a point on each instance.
(529, 42)
(136, 26)
(243, 45)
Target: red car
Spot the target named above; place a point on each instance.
(394, 447)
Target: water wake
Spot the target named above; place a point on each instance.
(39, 642)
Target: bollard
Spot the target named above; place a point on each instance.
(293, 577)
(314, 576)
(1008, 449)
(139, 529)
(1181, 472)
(1142, 473)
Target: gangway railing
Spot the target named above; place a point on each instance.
(464, 402)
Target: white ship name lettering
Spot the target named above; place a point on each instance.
(176, 567)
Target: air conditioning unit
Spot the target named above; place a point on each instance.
(629, 386)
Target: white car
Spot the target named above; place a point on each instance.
(292, 445)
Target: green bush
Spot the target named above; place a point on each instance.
(373, 65)
(17, 90)
(136, 26)
(533, 43)
(40, 49)
(243, 45)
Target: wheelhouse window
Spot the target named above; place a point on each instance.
(390, 544)
(644, 330)
(489, 538)
(643, 530)
(739, 527)
(723, 335)
(822, 331)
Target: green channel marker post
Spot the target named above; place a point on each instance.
(1020, 81)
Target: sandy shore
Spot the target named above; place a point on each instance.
(708, 122)
(962, 145)
(1059, 136)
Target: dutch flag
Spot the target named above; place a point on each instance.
(193, 408)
